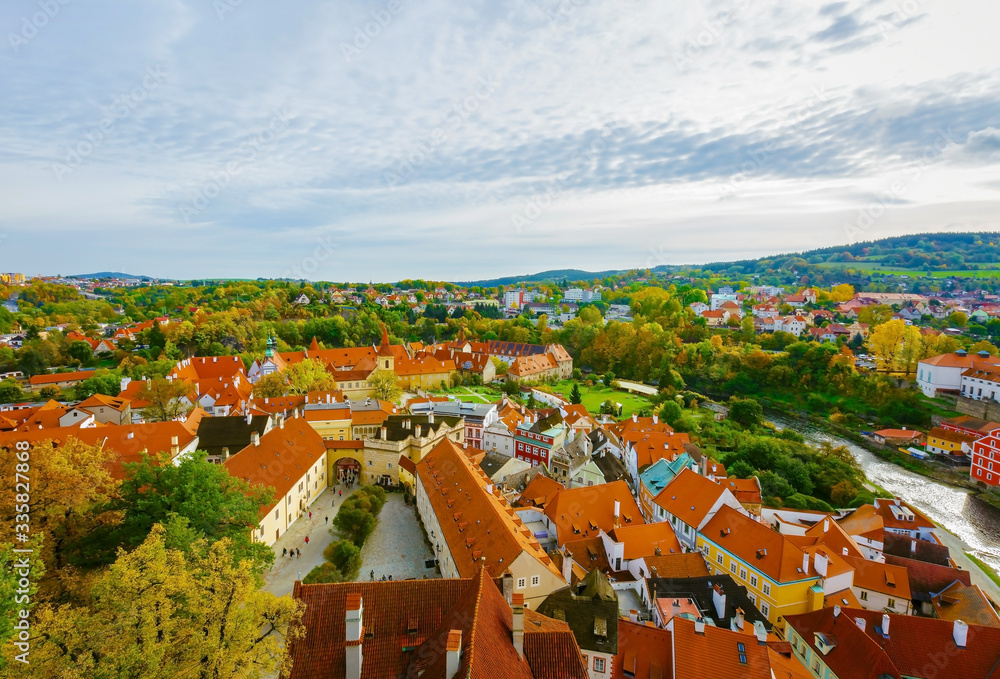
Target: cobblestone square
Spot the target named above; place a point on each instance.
(397, 546)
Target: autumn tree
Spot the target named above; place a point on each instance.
(385, 385)
(272, 385)
(165, 613)
(165, 399)
(876, 314)
(308, 375)
(70, 485)
(896, 346)
(842, 292)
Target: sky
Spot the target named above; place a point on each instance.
(387, 139)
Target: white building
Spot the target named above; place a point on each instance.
(944, 372)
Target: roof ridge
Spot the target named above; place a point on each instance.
(473, 623)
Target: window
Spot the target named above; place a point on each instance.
(598, 664)
(892, 603)
(388, 465)
(522, 583)
(743, 574)
(742, 652)
(277, 513)
(536, 580)
(753, 598)
(753, 580)
(732, 566)
(765, 609)
(767, 589)
(864, 595)
(720, 559)
(371, 462)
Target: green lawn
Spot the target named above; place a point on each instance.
(594, 396)
(877, 268)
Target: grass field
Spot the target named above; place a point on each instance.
(592, 397)
(877, 268)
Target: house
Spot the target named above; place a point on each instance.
(290, 459)
(689, 502)
(58, 380)
(927, 580)
(590, 609)
(902, 519)
(856, 644)
(639, 454)
(656, 477)
(498, 467)
(472, 527)
(965, 603)
(899, 437)
(981, 383)
(880, 586)
(478, 416)
(716, 598)
(949, 442)
(301, 300)
(578, 513)
(411, 435)
(781, 577)
(104, 409)
(715, 318)
(458, 627)
(747, 492)
(221, 437)
(536, 440)
(944, 372)
(985, 467)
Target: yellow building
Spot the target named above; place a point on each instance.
(781, 578)
(412, 436)
(332, 421)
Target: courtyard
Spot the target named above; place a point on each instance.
(397, 547)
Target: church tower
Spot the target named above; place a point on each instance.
(386, 359)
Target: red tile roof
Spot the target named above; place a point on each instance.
(586, 511)
(689, 497)
(769, 551)
(716, 652)
(55, 378)
(644, 652)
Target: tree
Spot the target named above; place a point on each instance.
(608, 378)
(843, 493)
(609, 408)
(160, 612)
(671, 412)
(385, 385)
(876, 314)
(10, 391)
(31, 362)
(165, 399)
(104, 382)
(501, 366)
(575, 396)
(80, 351)
(272, 385)
(842, 292)
(49, 392)
(895, 346)
(746, 412)
(70, 485)
(983, 345)
(308, 375)
(214, 505)
(957, 319)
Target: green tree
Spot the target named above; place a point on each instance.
(308, 375)
(671, 412)
(385, 386)
(10, 391)
(49, 392)
(80, 351)
(215, 505)
(575, 396)
(608, 378)
(746, 412)
(31, 362)
(165, 399)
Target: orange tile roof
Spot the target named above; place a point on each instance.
(644, 652)
(539, 492)
(769, 551)
(884, 508)
(689, 497)
(690, 565)
(54, 378)
(968, 604)
(586, 511)
(654, 446)
(366, 417)
(456, 490)
(716, 653)
(647, 540)
(283, 457)
(745, 490)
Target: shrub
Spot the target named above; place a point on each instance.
(324, 573)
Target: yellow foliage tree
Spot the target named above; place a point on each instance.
(308, 375)
(385, 386)
(896, 346)
(270, 386)
(158, 612)
(842, 292)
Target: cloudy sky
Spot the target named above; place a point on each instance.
(383, 139)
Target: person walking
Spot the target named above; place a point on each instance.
(373, 575)
(298, 552)
(310, 516)
(328, 519)
(284, 551)
(300, 575)
(307, 539)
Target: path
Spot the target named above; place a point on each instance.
(397, 546)
(281, 578)
(958, 549)
(479, 396)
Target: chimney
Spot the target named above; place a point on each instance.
(913, 546)
(355, 631)
(249, 418)
(699, 626)
(567, 565)
(454, 651)
(215, 359)
(384, 436)
(281, 422)
(805, 562)
(418, 431)
(430, 417)
(738, 620)
(618, 509)
(125, 383)
(656, 419)
(517, 628)
(820, 563)
(719, 599)
(255, 438)
(507, 583)
(960, 632)
(885, 625)
(845, 551)
(130, 435)
(225, 453)
(760, 632)
(635, 417)
(836, 611)
(174, 446)
(826, 525)
(860, 622)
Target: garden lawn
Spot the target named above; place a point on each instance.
(593, 397)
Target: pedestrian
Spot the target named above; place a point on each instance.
(284, 551)
(373, 575)
(390, 578)
(307, 539)
(300, 575)
(328, 519)
(298, 552)
(310, 515)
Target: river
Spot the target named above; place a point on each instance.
(976, 523)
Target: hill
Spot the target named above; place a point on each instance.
(111, 274)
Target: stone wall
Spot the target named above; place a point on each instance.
(984, 410)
